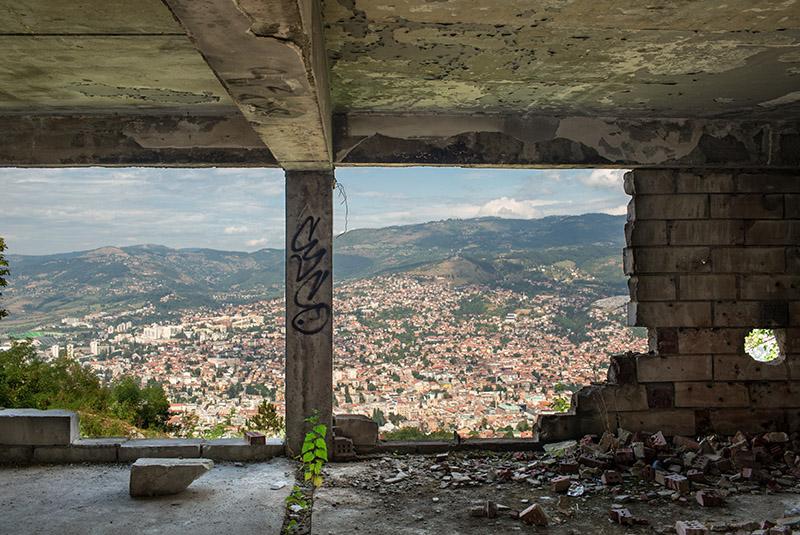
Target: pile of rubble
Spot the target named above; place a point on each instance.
(706, 471)
(626, 467)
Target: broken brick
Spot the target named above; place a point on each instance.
(695, 476)
(621, 516)
(677, 482)
(568, 468)
(560, 484)
(685, 443)
(611, 477)
(708, 498)
(534, 515)
(658, 441)
(593, 462)
(254, 438)
(624, 456)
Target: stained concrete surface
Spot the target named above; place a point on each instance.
(93, 499)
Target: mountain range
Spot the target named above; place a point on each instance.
(580, 250)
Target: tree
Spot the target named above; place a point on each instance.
(378, 417)
(146, 408)
(4, 272)
(266, 420)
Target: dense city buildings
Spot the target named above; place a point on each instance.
(410, 351)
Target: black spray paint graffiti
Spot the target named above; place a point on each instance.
(313, 317)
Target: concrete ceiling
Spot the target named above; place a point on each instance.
(676, 59)
(306, 84)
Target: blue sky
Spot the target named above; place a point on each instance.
(46, 211)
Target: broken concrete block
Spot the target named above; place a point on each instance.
(161, 477)
(690, 527)
(32, 427)
(362, 430)
(534, 515)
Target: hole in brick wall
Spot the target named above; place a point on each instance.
(765, 345)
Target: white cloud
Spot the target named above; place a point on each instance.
(242, 229)
(604, 178)
(617, 210)
(511, 208)
(260, 242)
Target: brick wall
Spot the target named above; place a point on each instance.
(710, 256)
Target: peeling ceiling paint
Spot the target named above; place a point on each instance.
(687, 59)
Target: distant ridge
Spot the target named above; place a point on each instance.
(487, 251)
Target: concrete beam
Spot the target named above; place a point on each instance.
(545, 141)
(309, 298)
(270, 56)
(174, 139)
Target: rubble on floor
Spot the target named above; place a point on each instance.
(694, 474)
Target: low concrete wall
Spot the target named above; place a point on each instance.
(29, 436)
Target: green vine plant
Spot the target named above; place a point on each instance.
(314, 454)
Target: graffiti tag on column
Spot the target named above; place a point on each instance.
(313, 316)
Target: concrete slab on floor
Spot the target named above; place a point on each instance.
(94, 499)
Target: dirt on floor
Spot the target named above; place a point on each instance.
(451, 494)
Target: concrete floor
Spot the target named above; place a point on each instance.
(93, 499)
(356, 499)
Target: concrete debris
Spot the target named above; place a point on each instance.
(161, 477)
(488, 509)
(397, 478)
(612, 475)
(690, 527)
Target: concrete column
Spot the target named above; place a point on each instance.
(309, 296)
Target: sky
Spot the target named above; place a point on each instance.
(45, 211)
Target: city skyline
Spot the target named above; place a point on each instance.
(50, 211)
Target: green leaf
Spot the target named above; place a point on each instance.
(320, 444)
(323, 455)
(310, 437)
(308, 475)
(317, 481)
(307, 446)
(308, 456)
(321, 429)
